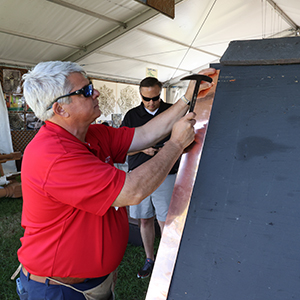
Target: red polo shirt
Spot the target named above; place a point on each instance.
(68, 186)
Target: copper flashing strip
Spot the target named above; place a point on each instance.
(168, 249)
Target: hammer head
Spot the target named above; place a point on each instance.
(197, 77)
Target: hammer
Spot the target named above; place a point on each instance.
(198, 79)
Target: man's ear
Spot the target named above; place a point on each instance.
(59, 110)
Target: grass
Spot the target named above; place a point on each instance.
(10, 233)
(128, 286)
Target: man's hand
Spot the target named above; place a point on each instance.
(150, 151)
(183, 132)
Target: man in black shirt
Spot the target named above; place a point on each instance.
(157, 203)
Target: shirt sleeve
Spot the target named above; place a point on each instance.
(60, 168)
(84, 182)
(86, 179)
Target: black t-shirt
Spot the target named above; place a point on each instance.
(136, 117)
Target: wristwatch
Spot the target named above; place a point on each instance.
(185, 100)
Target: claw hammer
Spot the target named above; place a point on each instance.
(198, 78)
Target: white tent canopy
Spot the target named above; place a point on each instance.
(118, 39)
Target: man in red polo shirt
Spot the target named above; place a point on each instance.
(74, 199)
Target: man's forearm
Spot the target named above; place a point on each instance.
(146, 178)
(158, 128)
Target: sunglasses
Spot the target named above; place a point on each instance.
(86, 91)
(149, 99)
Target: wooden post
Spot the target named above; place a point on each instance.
(6, 157)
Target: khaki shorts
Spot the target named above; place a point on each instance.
(157, 203)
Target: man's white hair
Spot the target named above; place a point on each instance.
(45, 82)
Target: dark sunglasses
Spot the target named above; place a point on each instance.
(149, 99)
(86, 91)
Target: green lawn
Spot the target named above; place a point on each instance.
(10, 233)
(128, 287)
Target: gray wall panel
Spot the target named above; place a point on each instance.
(241, 239)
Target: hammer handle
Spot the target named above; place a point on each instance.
(195, 94)
(198, 78)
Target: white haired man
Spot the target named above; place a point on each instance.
(74, 236)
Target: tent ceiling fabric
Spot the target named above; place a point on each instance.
(117, 40)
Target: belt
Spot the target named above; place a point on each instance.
(66, 280)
